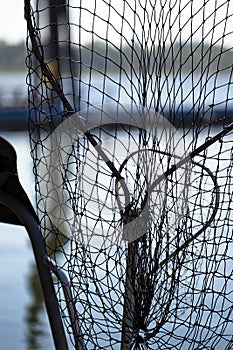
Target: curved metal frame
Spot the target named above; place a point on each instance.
(36, 238)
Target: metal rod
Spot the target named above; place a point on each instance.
(61, 276)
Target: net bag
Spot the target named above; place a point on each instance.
(130, 121)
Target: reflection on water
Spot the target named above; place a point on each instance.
(23, 320)
(37, 331)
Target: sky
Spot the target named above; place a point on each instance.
(12, 22)
(212, 20)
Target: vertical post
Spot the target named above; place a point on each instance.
(57, 37)
(58, 29)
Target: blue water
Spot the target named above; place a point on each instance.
(208, 90)
(13, 88)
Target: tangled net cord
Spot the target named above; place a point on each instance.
(148, 293)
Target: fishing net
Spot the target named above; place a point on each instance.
(130, 112)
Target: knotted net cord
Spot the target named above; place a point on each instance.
(119, 60)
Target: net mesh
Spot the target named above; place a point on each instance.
(119, 92)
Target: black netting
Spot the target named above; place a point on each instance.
(120, 92)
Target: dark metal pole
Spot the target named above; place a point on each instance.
(35, 235)
(129, 311)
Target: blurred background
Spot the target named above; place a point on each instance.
(23, 322)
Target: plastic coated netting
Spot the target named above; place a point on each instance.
(119, 93)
